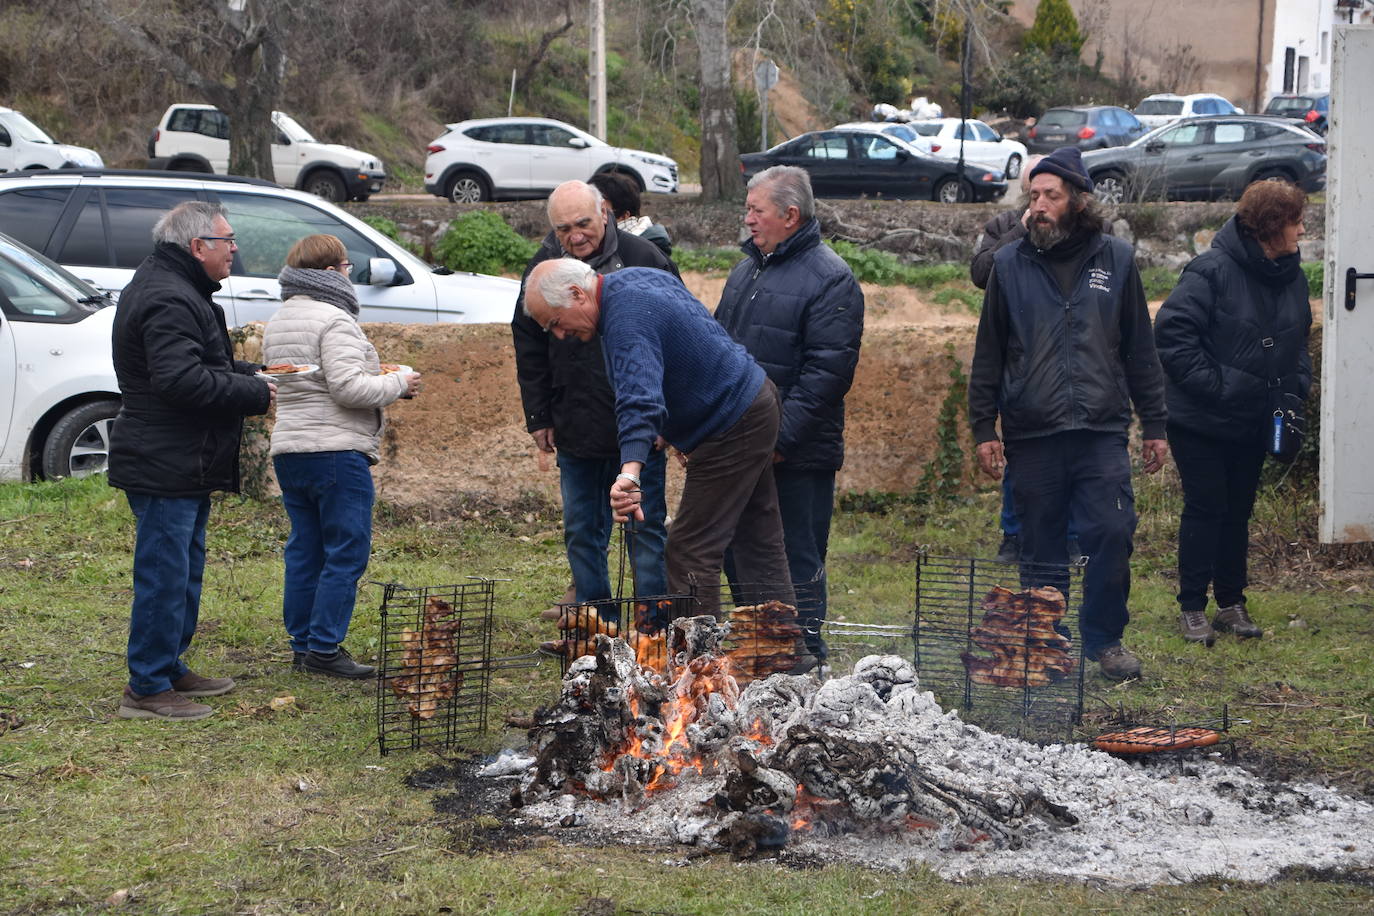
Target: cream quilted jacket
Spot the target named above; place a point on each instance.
(338, 408)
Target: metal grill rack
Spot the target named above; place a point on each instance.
(435, 675)
(992, 643)
(639, 621)
(769, 634)
(1132, 735)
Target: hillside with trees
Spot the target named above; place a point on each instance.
(385, 75)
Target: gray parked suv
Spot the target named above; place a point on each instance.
(1086, 127)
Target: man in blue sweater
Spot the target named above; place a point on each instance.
(677, 374)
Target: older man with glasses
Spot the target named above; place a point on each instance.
(569, 407)
(175, 441)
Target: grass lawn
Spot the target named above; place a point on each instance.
(287, 807)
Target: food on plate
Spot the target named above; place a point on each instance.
(284, 369)
(1147, 739)
(389, 368)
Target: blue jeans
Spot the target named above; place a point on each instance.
(586, 486)
(328, 497)
(1086, 476)
(169, 565)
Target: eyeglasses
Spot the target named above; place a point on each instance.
(347, 265)
(232, 240)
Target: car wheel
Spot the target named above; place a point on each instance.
(467, 188)
(327, 185)
(1110, 188)
(79, 443)
(951, 191)
(1271, 175)
(1014, 167)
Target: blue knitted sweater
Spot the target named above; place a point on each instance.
(675, 371)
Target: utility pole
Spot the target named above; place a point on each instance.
(596, 119)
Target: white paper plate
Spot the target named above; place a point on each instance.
(305, 369)
(399, 370)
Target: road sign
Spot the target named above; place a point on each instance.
(765, 75)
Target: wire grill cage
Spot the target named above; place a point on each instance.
(1137, 733)
(773, 628)
(1001, 643)
(434, 680)
(641, 622)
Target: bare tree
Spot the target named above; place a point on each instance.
(720, 177)
(230, 52)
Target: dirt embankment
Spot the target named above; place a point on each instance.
(462, 442)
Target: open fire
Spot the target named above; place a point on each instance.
(868, 768)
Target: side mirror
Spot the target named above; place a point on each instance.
(1154, 146)
(578, 143)
(903, 155)
(381, 271)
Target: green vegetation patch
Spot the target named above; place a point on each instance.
(481, 241)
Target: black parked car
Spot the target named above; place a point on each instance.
(1311, 108)
(854, 163)
(1209, 158)
(1086, 127)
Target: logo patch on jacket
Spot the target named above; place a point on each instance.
(1099, 279)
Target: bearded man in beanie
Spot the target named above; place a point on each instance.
(1064, 349)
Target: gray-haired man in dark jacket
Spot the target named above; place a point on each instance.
(175, 441)
(795, 306)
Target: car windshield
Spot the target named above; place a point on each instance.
(55, 277)
(902, 132)
(1285, 105)
(1160, 107)
(1063, 117)
(292, 128)
(27, 130)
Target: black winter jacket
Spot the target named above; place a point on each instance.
(800, 313)
(1210, 334)
(1000, 231)
(1048, 363)
(563, 382)
(184, 395)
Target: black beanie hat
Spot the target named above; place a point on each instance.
(1067, 163)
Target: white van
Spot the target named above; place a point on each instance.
(25, 145)
(195, 138)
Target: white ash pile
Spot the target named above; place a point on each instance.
(867, 768)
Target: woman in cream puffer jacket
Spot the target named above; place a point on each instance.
(327, 436)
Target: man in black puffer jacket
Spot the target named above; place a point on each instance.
(570, 408)
(1064, 348)
(175, 441)
(795, 306)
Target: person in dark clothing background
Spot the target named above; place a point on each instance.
(570, 409)
(623, 198)
(174, 442)
(795, 306)
(1232, 337)
(1064, 348)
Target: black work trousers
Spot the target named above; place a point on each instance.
(1220, 477)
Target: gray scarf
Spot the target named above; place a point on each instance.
(325, 285)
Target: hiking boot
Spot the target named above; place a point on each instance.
(1196, 628)
(165, 705)
(1010, 551)
(1117, 663)
(339, 664)
(191, 684)
(1234, 619)
(297, 661)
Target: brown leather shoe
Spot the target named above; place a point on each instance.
(1117, 662)
(191, 684)
(1196, 628)
(1234, 619)
(166, 705)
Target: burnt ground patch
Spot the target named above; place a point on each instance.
(475, 810)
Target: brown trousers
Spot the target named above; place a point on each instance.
(729, 500)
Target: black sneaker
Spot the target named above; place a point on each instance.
(298, 661)
(340, 664)
(1010, 551)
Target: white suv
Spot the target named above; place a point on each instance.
(504, 158)
(195, 138)
(98, 224)
(24, 145)
(56, 370)
(1166, 108)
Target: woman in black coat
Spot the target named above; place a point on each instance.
(1232, 338)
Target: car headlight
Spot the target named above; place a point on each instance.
(652, 160)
